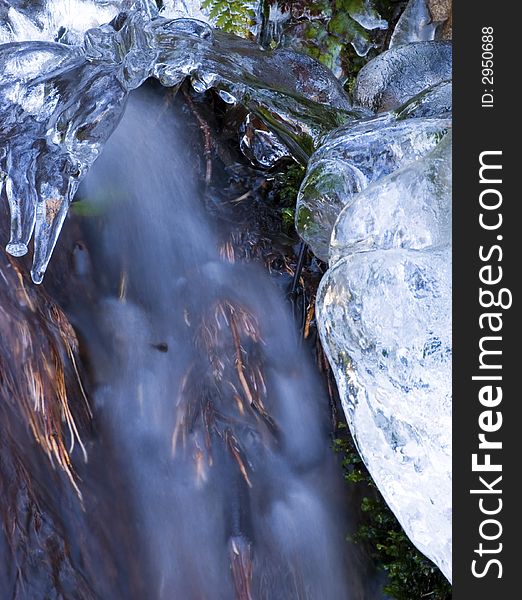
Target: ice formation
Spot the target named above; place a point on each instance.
(53, 20)
(66, 21)
(411, 208)
(61, 102)
(414, 25)
(352, 157)
(260, 145)
(436, 101)
(400, 73)
(271, 23)
(384, 316)
(385, 322)
(384, 306)
(366, 15)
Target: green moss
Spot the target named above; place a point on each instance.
(288, 218)
(232, 16)
(287, 184)
(410, 575)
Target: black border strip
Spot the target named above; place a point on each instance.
(486, 124)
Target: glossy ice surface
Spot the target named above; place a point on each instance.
(411, 208)
(350, 159)
(385, 321)
(61, 102)
(400, 73)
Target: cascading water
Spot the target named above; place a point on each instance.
(212, 406)
(209, 474)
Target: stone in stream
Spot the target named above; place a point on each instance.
(395, 76)
(411, 208)
(385, 322)
(351, 158)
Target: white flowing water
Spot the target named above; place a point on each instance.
(217, 413)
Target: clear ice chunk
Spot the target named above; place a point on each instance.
(351, 158)
(364, 13)
(414, 25)
(61, 102)
(261, 146)
(54, 20)
(58, 110)
(385, 323)
(384, 317)
(411, 208)
(26, 108)
(395, 76)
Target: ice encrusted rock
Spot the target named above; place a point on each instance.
(436, 101)
(385, 322)
(63, 21)
(411, 208)
(384, 318)
(66, 21)
(414, 25)
(61, 102)
(400, 73)
(352, 157)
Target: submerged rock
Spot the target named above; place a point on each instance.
(385, 323)
(395, 76)
(411, 208)
(350, 159)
